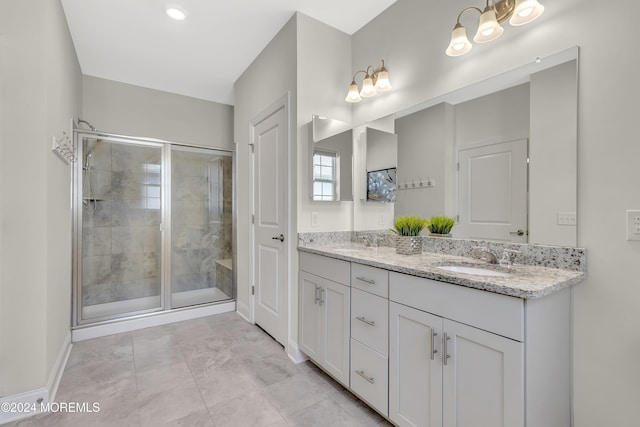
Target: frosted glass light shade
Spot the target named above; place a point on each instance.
(354, 93)
(368, 90)
(525, 11)
(460, 43)
(488, 29)
(383, 84)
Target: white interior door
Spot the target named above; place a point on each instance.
(492, 192)
(269, 201)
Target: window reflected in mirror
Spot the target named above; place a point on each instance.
(324, 176)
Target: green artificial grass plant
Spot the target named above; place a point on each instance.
(441, 224)
(409, 225)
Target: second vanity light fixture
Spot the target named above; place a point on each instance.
(374, 81)
(519, 12)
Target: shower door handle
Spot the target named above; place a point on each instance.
(280, 237)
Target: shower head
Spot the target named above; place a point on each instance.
(89, 152)
(92, 127)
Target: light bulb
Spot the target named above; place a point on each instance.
(383, 84)
(459, 44)
(176, 13)
(353, 95)
(488, 29)
(525, 11)
(367, 87)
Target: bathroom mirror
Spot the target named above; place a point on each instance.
(529, 114)
(331, 161)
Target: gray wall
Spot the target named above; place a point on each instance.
(40, 92)
(137, 111)
(324, 56)
(412, 35)
(269, 77)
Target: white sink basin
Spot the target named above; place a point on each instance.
(476, 271)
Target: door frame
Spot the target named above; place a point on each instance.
(281, 103)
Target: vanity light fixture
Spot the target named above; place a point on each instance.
(519, 12)
(176, 12)
(374, 81)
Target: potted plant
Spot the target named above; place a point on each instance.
(408, 229)
(440, 226)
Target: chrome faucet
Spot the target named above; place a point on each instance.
(371, 240)
(508, 256)
(485, 254)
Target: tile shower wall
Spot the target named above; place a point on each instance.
(121, 223)
(201, 220)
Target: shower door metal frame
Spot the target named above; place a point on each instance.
(165, 224)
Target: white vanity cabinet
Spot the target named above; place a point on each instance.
(465, 357)
(324, 303)
(427, 353)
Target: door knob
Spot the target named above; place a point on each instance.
(280, 237)
(517, 233)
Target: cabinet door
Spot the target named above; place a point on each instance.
(335, 305)
(310, 323)
(415, 370)
(483, 382)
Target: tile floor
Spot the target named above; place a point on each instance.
(215, 371)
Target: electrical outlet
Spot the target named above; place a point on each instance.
(633, 225)
(314, 219)
(567, 218)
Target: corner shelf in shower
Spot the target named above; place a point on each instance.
(92, 199)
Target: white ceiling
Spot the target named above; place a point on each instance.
(135, 42)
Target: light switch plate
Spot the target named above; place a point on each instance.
(567, 218)
(314, 219)
(633, 225)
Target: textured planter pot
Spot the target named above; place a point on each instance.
(440, 235)
(408, 245)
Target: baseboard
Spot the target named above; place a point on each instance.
(19, 406)
(294, 353)
(116, 327)
(58, 367)
(243, 311)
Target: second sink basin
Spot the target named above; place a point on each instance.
(476, 271)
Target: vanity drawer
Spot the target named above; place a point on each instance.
(369, 376)
(370, 279)
(370, 320)
(330, 268)
(500, 314)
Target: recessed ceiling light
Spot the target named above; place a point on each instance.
(176, 13)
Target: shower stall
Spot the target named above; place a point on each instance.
(153, 227)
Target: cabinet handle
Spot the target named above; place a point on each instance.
(445, 356)
(363, 375)
(364, 320)
(317, 297)
(322, 294)
(364, 279)
(433, 344)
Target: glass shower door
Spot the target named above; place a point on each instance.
(120, 216)
(201, 226)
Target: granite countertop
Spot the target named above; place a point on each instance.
(523, 281)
